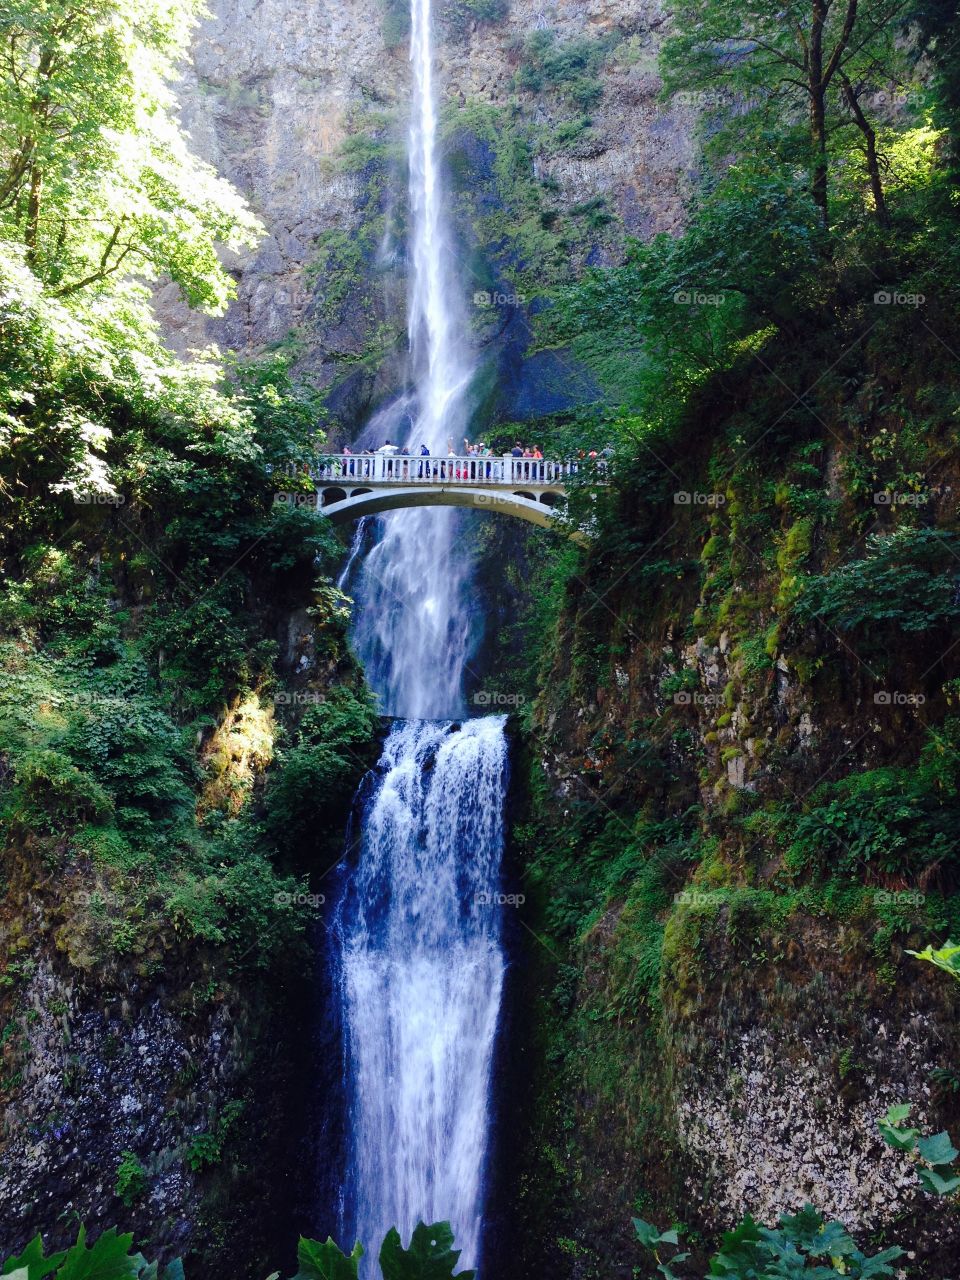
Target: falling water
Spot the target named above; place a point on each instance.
(421, 960)
(413, 629)
(422, 978)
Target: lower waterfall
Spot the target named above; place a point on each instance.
(422, 975)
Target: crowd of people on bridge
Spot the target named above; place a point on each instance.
(530, 464)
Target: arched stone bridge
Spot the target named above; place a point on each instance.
(353, 485)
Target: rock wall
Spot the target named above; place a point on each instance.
(303, 108)
(169, 1059)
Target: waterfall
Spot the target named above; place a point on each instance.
(422, 977)
(417, 926)
(413, 630)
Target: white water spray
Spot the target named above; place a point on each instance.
(413, 629)
(419, 926)
(422, 977)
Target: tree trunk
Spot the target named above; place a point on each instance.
(31, 233)
(818, 111)
(870, 146)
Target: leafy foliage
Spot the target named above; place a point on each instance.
(326, 1261)
(946, 957)
(96, 179)
(934, 1154)
(801, 1244)
(431, 1256)
(907, 579)
(568, 66)
(131, 1180)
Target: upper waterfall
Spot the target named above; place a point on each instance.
(413, 627)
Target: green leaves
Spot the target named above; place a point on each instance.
(935, 1181)
(893, 1132)
(431, 1255)
(946, 958)
(794, 1248)
(108, 1258)
(652, 1239)
(326, 1261)
(86, 125)
(937, 1149)
(31, 1264)
(937, 1152)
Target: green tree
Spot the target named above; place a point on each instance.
(96, 179)
(792, 77)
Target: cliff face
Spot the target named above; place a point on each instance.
(734, 816)
(304, 107)
(164, 1058)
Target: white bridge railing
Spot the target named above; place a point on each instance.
(386, 468)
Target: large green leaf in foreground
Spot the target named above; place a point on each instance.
(431, 1255)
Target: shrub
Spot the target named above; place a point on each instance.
(802, 1243)
(131, 1179)
(907, 579)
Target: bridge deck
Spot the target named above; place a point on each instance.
(383, 470)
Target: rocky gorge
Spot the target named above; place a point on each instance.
(734, 780)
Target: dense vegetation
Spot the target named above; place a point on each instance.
(430, 1256)
(780, 383)
(748, 688)
(153, 541)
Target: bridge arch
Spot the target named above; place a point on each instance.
(350, 486)
(341, 507)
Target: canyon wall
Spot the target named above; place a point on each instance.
(304, 107)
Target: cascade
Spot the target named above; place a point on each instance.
(421, 962)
